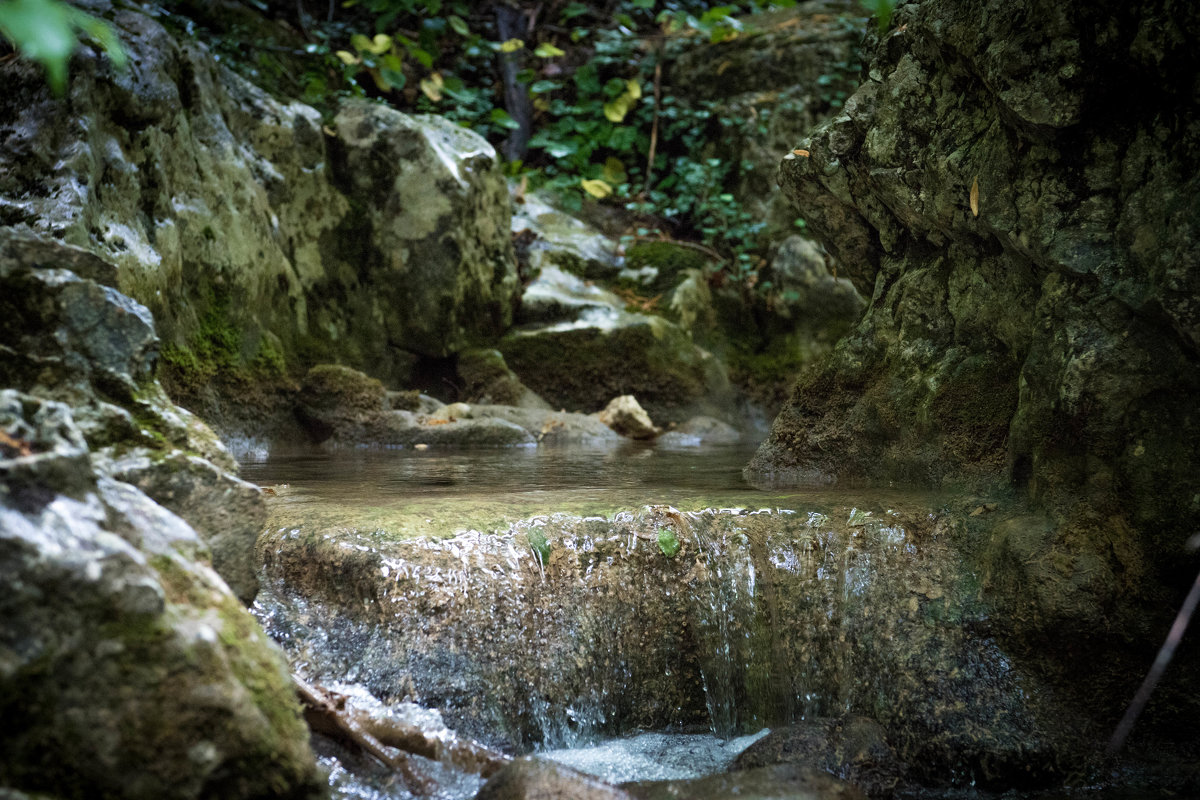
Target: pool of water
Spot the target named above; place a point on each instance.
(438, 492)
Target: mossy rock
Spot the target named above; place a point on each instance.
(332, 386)
(583, 368)
(663, 264)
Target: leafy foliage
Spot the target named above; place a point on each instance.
(605, 126)
(48, 31)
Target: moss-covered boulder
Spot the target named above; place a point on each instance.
(261, 237)
(487, 379)
(582, 365)
(127, 667)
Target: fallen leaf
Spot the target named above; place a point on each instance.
(802, 153)
(975, 196)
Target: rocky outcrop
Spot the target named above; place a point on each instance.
(1014, 186)
(128, 665)
(259, 237)
(341, 407)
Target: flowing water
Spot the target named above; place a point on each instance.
(599, 605)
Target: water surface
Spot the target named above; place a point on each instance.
(437, 492)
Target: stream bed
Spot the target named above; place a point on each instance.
(643, 614)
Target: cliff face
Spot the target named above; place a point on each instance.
(1016, 187)
(259, 234)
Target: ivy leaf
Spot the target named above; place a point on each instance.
(380, 44)
(547, 50)
(503, 119)
(391, 79)
(596, 188)
(614, 171)
(512, 45)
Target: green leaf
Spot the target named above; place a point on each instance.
(539, 545)
(574, 10)
(424, 57)
(502, 118)
(667, 542)
(458, 25)
(394, 79)
(541, 87)
(42, 31)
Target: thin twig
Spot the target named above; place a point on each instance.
(654, 126)
(1156, 669)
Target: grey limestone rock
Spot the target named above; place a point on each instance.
(127, 667)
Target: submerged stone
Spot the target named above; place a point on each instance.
(536, 778)
(782, 782)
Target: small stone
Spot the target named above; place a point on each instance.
(625, 416)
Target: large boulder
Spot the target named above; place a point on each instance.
(1015, 187)
(583, 364)
(127, 667)
(80, 341)
(261, 238)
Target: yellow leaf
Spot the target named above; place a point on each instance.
(432, 86)
(801, 153)
(597, 189)
(614, 170)
(360, 42)
(380, 44)
(975, 196)
(511, 46)
(349, 59)
(616, 110)
(541, 103)
(633, 89)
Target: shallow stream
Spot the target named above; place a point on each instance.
(604, 606)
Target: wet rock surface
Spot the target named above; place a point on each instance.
(852, 747)
(128, 666)
(782, 782)
(560, 628)
(532, 778)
